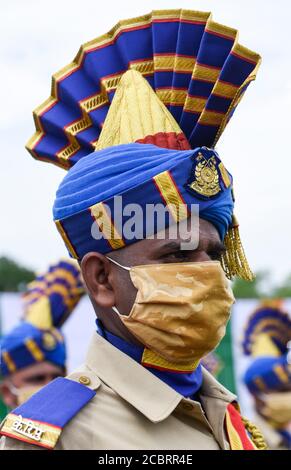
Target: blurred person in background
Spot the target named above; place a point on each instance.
(268, 378)
(34, 352)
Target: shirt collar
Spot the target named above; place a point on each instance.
(185, 383)
(139, 387)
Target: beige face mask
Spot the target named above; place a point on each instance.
(181, 309)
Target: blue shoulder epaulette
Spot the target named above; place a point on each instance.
(41, 419)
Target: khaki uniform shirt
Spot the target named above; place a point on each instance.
(133, 409)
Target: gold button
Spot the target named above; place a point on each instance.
(188, 406)
(84, 380)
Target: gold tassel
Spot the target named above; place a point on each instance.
(256, 435)
(233, 260)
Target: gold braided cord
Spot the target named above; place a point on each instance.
(255, 434)
(233, 260)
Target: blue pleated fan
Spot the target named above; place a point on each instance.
(196, 67)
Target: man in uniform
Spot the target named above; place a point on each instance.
(34, 353)
(160, 292)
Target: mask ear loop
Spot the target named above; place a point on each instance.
(118, 264)
(123, 267)
(16, 392)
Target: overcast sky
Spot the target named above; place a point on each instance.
(38, 37)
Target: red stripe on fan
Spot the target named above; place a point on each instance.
(169, 140)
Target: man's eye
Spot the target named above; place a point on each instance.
(215, 255)
(36, 379)
(177, 256)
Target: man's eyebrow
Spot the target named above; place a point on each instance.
(213, 246)
(176, 245)
(171, 246)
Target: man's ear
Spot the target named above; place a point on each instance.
(7, 396)
(96, 270)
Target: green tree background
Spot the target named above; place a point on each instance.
(262, 287)
(13, 276)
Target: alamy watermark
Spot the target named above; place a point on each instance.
(153, 221)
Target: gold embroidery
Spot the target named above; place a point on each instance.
(171, 196)
(34, 349)
(206, 180)
(170, 96)
(49, 342)
(246, 53)
(281, 373)
(225, 90)
(9, 361)
(199, 16)
(150, 358)
(106, 226)
(211, 118)
(205, 73)
(67, 152)
(213, 27)
(143, 67)
(184, 64)
(94, 102)
(194, 104)
(164, 62)
(224, 175)
(79, 126)
(66, 239)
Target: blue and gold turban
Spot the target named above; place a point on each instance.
(49, 300)
(26, 345)
(52, 296)
(137, 113)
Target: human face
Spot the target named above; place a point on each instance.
(109, 285)
(34, 376)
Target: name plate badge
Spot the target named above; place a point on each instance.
(27, 428)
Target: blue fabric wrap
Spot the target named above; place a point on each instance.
(264, 369)
(57, 403)
(128, 170)
(14, 344)
(187, 384)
